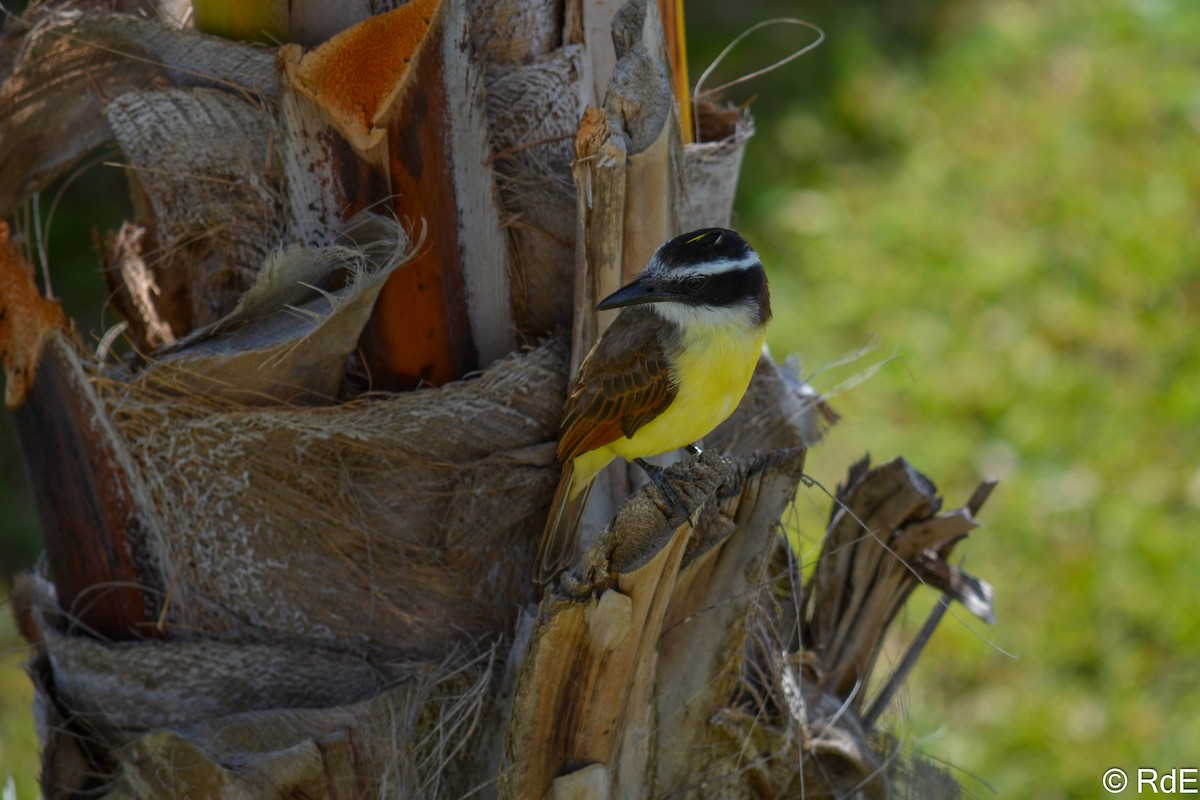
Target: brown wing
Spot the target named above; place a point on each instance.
(623, 383)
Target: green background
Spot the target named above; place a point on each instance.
(1003, 197)
(998, 202)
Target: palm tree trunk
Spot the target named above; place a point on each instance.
(290, 530)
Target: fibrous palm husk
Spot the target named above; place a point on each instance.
(377, 522)
(201, 160)
(257, 718)
(533, 108)
(533, 98)
(66, 67)
(289, 336)
(197, 143)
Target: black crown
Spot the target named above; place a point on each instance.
(706, 244)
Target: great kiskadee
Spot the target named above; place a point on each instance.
(673, 366)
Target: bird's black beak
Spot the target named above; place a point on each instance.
(639, 291)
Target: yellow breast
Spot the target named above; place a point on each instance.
(711, 372)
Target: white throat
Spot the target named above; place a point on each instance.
(698, 318)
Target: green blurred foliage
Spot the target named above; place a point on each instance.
(1004, 196)
(18, 742)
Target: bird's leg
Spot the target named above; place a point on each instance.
(693, 449)
(665, 489)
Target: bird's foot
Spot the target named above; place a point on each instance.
(657, 476)
(693, 449)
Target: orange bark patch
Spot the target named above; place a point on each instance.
(357, 75)
(591, 133)
(25, 319)
(421, 331)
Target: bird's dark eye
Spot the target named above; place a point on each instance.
(695, 282)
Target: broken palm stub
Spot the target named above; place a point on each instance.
(292, 585)
(408, 114)
(79, 485)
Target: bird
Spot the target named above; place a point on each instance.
(671, 367)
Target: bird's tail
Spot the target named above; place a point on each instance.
(562, 526)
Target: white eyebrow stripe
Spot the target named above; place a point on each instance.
(719, 267)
